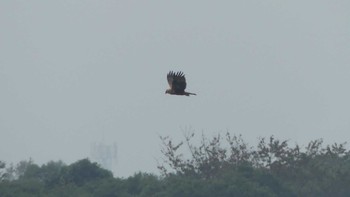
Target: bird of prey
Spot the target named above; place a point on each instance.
(177, 83)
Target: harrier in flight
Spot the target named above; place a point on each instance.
(177, 83)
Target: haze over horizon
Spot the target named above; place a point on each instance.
(74, 73)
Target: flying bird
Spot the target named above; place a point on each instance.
(177, 83)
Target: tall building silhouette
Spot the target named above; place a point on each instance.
(104, 154)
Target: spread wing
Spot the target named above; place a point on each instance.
(177, 81)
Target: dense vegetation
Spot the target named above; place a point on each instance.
(221, 166)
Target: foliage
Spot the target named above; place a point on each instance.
(275, 168)
(221, 166)
(84, 171)
(2, 167)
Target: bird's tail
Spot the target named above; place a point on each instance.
(189, 93)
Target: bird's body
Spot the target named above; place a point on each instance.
(177, 83)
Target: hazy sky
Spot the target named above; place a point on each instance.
(74, 73)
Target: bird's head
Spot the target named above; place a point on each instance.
(167, 91)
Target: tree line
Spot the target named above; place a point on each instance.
(220, 166)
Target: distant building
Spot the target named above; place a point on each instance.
(104, 154)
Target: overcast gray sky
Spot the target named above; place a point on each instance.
(76, 72)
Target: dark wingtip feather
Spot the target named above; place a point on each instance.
(176, 74)
(171, 73)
